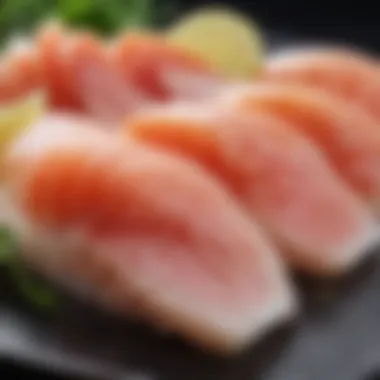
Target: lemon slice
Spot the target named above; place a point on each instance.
(18, 115)
(227, 40)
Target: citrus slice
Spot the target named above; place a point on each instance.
(17, 115)
(226, 39)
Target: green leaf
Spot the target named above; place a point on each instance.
(34, 290)
(141, 13)
(103, 16)
(106, 16)
(166, 12)
(74, 9)
(7, 247)
(23, 16)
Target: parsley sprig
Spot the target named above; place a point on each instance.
(106, 17)
(34, 290)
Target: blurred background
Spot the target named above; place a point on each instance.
(355, 22)
(347, 21)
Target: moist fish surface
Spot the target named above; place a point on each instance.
(145, 232)
(162, 70)
(278, 175)
(348, 136)
(347, 73)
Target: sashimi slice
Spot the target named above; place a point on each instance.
(54, 44)
(348, 136)
(107, 93)
(347, 73)
(100, 84)
(20, 72)
(277, 174)
(161, 70)
(146, 232)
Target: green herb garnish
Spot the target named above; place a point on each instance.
(7, 247)
(35, 290)
(106, 17)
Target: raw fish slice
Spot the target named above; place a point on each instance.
(114, 87)
(161, 70)
(101, 85)
(81, 73)
(108, 93)
(53, 44)
(348, 136)
(351, 75)
(277, 174)
(147, 231)
(81, 76)
(20, 73)
(42, 65)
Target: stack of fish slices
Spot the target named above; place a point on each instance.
(176, 194)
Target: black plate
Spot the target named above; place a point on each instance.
(336, 338)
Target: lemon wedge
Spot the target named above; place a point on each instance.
(17, 115)
(226, 39)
